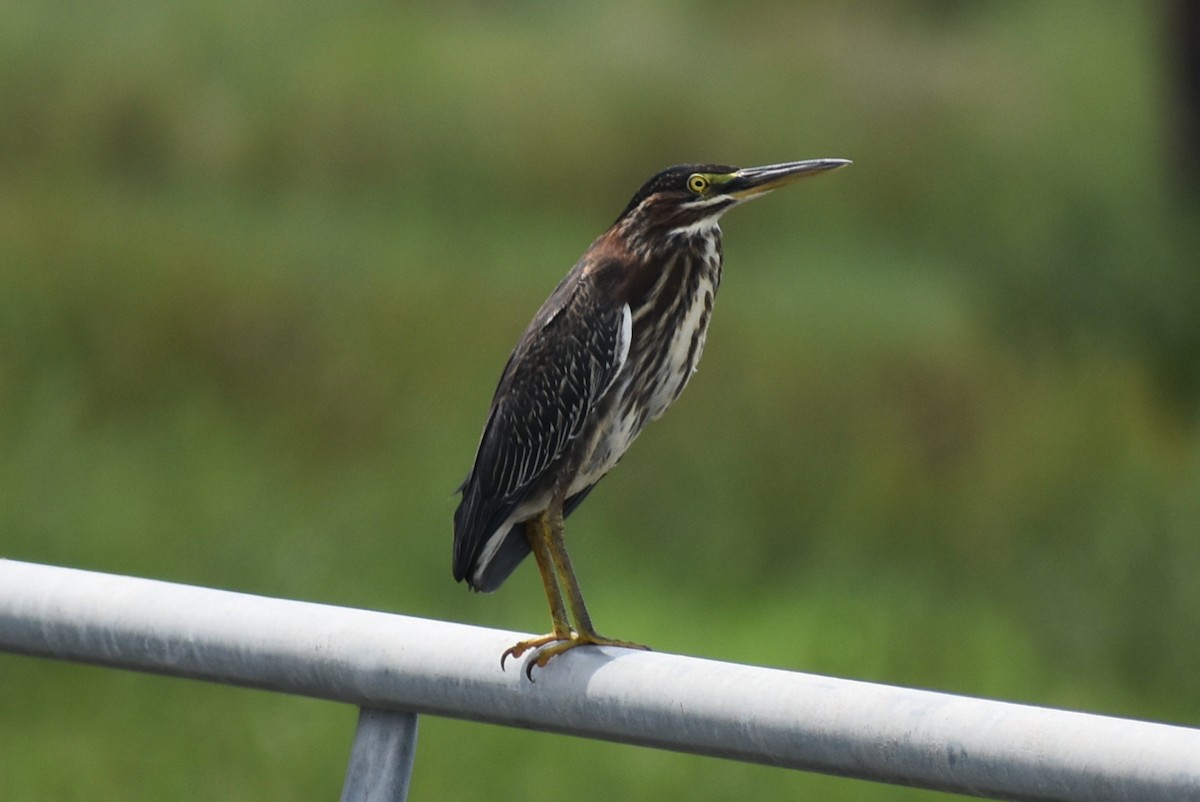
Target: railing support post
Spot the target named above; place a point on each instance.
(381, 759)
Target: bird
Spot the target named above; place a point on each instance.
(610, 349)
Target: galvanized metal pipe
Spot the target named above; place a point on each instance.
(392, 662)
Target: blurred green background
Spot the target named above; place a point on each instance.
(261, 264)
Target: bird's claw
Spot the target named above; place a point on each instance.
(519, 648)
(548, 646)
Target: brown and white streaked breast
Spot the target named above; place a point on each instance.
(670, 320)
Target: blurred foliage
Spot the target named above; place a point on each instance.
(260, 266)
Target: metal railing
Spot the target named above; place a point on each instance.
(395, 667)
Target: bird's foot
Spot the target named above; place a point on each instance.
(520, 647)
(554, 644)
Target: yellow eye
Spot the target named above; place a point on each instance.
(697, 183)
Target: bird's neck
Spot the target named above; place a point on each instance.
(660, 270)
(653, 241)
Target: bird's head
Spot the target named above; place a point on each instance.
(693, 196)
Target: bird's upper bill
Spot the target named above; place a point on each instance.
(750, 182)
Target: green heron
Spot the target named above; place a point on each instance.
(610, 349)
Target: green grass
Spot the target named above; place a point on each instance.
(260, 267)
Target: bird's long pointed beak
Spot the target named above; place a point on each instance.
(750, 182)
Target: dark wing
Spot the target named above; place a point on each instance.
(562, 366)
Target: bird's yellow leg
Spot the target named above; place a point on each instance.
(538, 532)
(585, 634)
